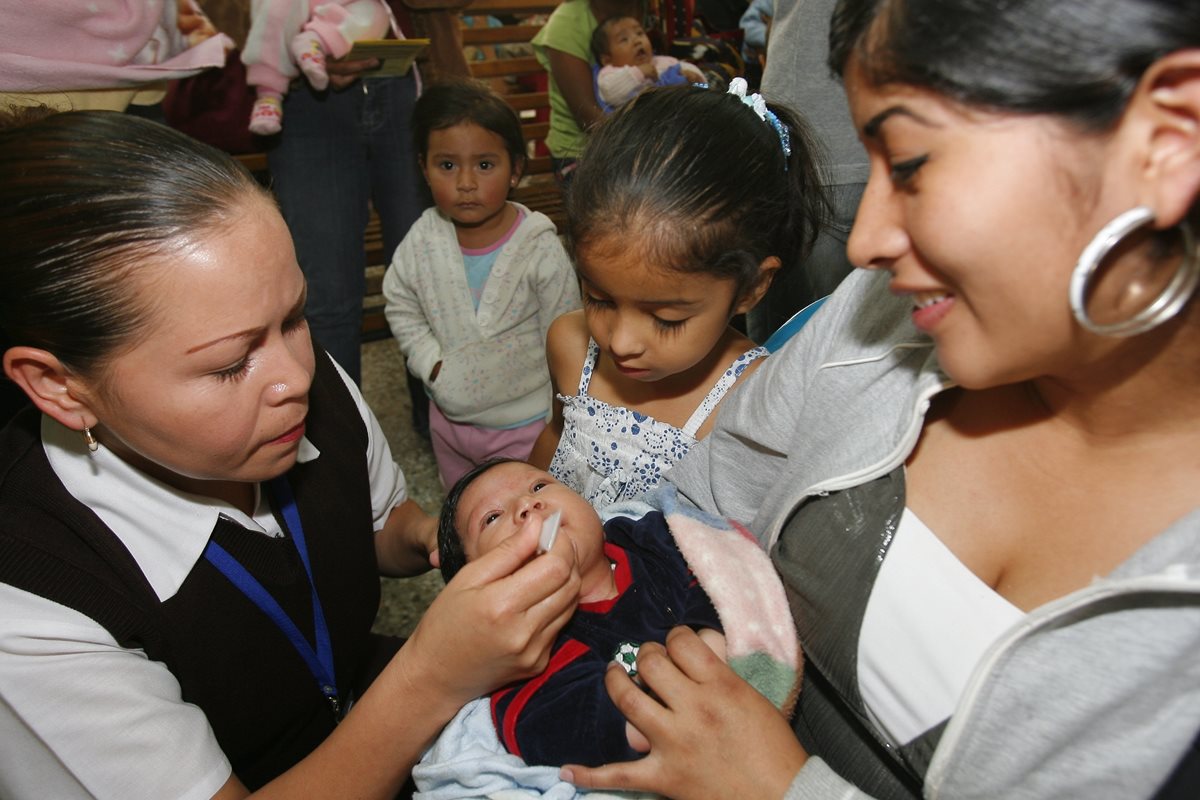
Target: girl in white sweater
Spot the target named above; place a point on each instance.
(477, 281)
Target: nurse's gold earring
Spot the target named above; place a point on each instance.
(90, 439)
(1169, 302)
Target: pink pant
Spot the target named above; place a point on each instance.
(458, 447)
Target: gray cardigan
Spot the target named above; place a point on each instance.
(1094, 695)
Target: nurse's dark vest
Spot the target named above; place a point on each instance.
(229, 658)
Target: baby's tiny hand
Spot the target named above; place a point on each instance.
(649, 71)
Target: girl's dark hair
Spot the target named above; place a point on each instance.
(451, 555)
(1076, 59)
(702, 181)
(449, 103)
(86, 197)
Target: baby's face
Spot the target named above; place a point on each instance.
(628, 44)
(510, 496)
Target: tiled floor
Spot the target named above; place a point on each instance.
(386, 391)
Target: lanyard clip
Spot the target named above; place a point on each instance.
(331, 695)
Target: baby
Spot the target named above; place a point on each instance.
(288, 37)
(636, 587)
(628, 65)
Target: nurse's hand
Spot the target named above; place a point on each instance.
(495, 621)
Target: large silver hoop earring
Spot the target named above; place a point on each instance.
(1165, 306)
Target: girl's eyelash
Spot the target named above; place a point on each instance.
(905, 170)
(588, 300)
(669, 325)
(665, 325)
(490, 518)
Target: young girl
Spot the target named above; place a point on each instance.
(475, 284)
(686, 204)
(288, 37)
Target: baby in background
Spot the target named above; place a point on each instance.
(628, 64)
(287, 37)
(636, 587)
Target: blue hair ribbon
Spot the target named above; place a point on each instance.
(737, 88)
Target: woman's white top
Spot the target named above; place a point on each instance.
(928, 621)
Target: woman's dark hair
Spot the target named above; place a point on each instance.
(451, 555)
(1076, 59)
(702, 182)
(444, 105)
(86, 197)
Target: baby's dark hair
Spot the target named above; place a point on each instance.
(600, 35)
(703, 182)
(451, 555)
(453, 102)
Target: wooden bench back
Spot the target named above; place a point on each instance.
(501, 55)
(506, 61)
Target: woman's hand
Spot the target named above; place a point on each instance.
(494, 622)
(711, 734)
(344, 73)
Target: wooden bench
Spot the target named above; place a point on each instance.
(509, 66)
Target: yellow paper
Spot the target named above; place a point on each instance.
(395, 56)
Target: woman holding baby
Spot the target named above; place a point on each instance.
(975, 468)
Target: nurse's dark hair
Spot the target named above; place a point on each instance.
(451, 556)
(456, 101)
(701, 182)
(87, 199)
(1076, 59)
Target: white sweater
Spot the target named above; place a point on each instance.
(616, 85)
(494, 370)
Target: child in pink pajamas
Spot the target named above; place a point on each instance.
(288, 37)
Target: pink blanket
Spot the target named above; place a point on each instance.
(760, 634)
(51, 45)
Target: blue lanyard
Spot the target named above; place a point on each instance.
(320, 661)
